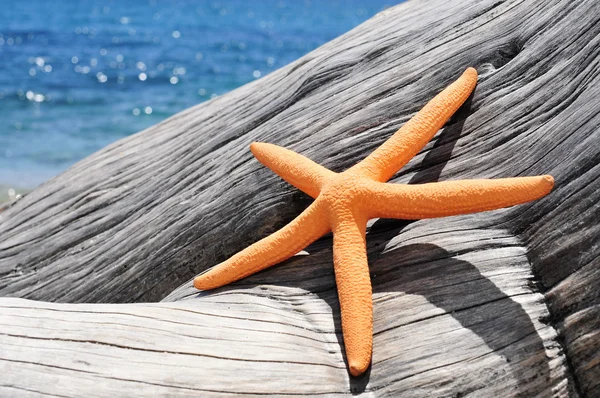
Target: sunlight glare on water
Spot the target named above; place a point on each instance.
(78, 75)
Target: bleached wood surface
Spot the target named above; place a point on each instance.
(458, 310)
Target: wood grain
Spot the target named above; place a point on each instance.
(503, 303)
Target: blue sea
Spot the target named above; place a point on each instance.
(76, 75)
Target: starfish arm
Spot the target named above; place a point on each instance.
(354, 291)
(309, 226)
(296, 169)
(448, 198)
(386, 160)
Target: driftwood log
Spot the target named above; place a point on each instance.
(503, 303)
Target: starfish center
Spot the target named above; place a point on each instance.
(343, 189)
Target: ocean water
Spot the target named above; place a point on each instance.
(78, 75)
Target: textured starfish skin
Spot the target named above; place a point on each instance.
(344, 202)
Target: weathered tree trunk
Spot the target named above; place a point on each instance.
(474, 304)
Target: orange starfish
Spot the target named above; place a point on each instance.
(344, 202)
